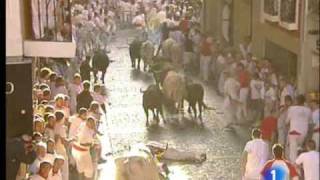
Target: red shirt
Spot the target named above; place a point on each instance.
(268, 126)
(184, 25)
(244, 79)
(292, 172)
(205, 48)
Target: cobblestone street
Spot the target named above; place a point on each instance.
(126, 123)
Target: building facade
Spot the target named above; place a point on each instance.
(284, 32)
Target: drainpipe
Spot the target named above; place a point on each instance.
(303, 30)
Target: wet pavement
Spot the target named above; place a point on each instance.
(125, 123)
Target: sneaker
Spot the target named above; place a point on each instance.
(102, 161)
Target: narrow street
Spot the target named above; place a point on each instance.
(125, 123)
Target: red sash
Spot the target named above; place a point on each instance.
(317, 130)
(79, 148)
(294, 133)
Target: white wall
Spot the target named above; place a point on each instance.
(14, 46)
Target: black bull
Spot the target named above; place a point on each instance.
(134, 51)
(100, 62)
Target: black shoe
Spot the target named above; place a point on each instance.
(102, 161)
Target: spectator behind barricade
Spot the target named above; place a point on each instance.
(61, 140)
(94, 111)
(98, 97)
(37, 137)
(52, 80)
(38, 125)
(255, 154)
(299, 120)
(41, 152)
(61, 105)
(85, 69)
(46, 94)
(49, 108)
(309, 161)
(43, 172)
(74, 89)
(282, 127)
(81, 148)
(51, 153)
(84, 99)
(279, 162)
(18, 150)
(315, 118)
(75, 121)
(60, 87)
(55, 172)
(51, 122)
(44, 75)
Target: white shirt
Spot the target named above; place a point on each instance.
(310, 162)
(270, 95)
(37, 177)
(85, 134)
(316, 118)
(258, 153)
(257, 88)
(56, 176)
(299, 118)
(75, 124)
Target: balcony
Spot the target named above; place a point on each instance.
(48, 29)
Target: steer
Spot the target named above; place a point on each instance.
(174, 89)
(147, 53)
(152, 99)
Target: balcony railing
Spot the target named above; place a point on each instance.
(51, 20)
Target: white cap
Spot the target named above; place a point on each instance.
(41, 144)
(58, 156)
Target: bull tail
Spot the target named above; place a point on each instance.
(207, 107)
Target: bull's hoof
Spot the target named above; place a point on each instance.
(147, 124)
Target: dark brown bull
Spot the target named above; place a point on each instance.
(195, 95)
(152, 99)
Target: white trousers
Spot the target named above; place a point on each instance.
(295, 141)
(244, 94)
(205, 67)
(282, 135)
(83, 162)
(315, 137)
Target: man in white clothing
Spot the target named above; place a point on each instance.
(81, 148)
(310, 161)
(55, 173)
(76, 121)
(43, 173)
(315, 119)
(298, 119)
(41, 151)
(231, 95)
(255, 155)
